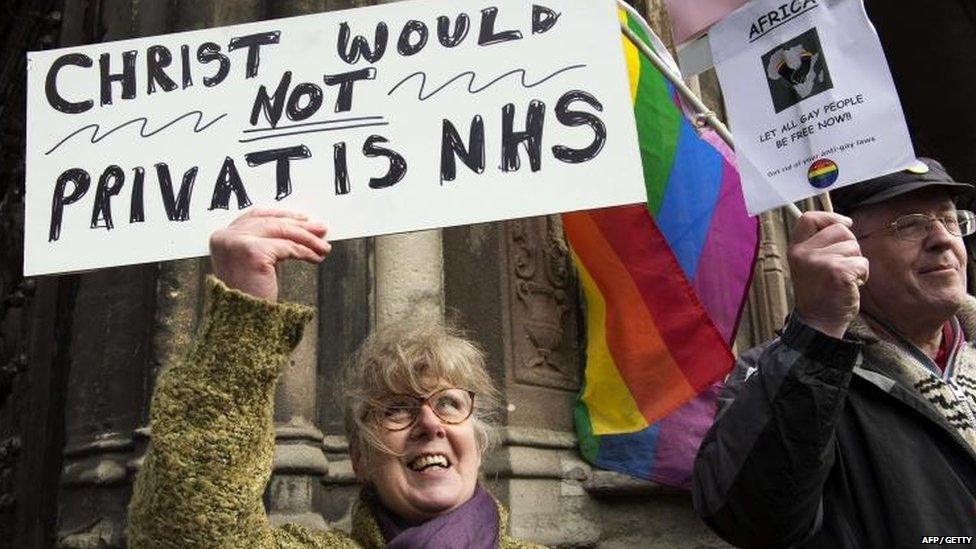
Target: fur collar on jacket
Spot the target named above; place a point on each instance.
(953, 396)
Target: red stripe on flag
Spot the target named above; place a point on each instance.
(689, 334)
(640, 354)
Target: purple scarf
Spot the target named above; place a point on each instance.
(474, 525)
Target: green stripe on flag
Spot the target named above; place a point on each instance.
(658, 125)
(589, 447)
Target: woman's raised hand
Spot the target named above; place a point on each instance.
(244, 254)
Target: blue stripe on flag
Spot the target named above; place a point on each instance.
(690, 198)
(631, 453)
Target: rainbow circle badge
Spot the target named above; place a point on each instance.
(823, 173)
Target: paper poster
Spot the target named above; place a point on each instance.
(810, 99)
(392, 118)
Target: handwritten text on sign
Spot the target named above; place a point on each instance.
(810, 99)
(377, 120)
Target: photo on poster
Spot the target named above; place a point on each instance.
(796, 70)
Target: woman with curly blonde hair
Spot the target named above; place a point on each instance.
(419, 408)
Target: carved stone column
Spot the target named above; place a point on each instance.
(344, 319)
(409, 275)
(514, 287)
(109, 356)
(769, 302)
(110, 352)
(128, 324)
(299, 462)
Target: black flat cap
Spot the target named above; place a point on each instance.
(926, 173)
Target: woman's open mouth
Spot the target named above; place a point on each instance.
(427, 461)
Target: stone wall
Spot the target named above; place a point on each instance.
(96, 341)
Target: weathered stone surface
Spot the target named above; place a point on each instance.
(409, 276)
(291, 495)
(662, 522)
(300, 458)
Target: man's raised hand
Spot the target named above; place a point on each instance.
(827, 267)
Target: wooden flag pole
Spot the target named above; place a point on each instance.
(704, 115)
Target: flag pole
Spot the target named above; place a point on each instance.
(703, 114)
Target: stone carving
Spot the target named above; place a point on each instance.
(544, 321)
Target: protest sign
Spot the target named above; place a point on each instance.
(810, 99)
(376, 120)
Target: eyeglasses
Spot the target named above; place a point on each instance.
(397, 412)
(916, 227)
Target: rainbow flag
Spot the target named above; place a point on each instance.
(664, 285)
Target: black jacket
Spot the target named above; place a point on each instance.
(820, 448)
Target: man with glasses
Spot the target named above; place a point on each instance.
(857, 426)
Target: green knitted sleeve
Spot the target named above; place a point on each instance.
(212, 429)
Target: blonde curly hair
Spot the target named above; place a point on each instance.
(413, 356)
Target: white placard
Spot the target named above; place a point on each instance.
(810, 99)
(472, 112)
